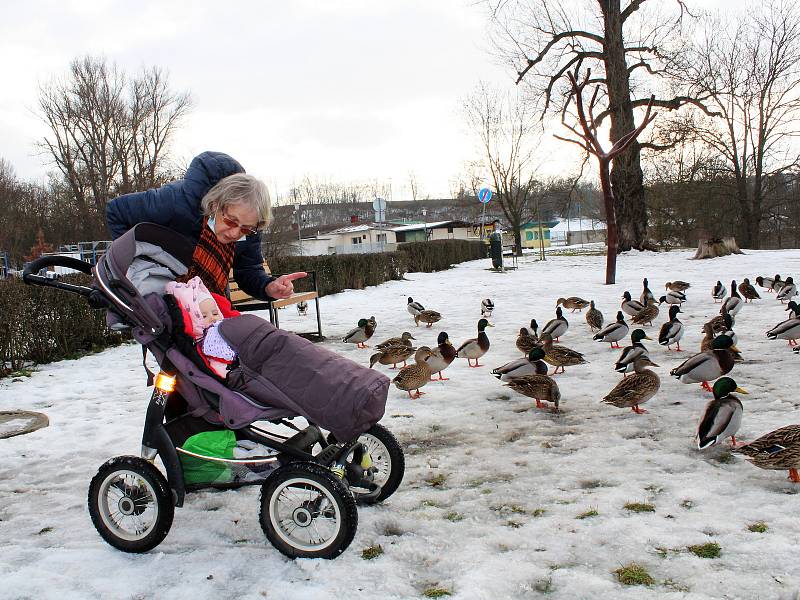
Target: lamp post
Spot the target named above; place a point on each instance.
(425, 223)
(299, 228)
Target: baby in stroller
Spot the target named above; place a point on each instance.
(311, 480)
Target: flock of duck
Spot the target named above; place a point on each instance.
(530, 376)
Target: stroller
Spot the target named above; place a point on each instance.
(311, 482)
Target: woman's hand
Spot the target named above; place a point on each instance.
(282, 287)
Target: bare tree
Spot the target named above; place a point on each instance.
(587, 139)
(413, 185)
(632, 52)
(507, 134)
(109, 136)
(747, 65)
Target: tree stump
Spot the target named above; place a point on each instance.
(714, 247)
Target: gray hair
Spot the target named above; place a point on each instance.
(239, 188)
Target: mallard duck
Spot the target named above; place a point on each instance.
(677, 286)
(672, 298)
(594, 318)
(708, 366)
(630, 307)
(302, 308)
(373, 322)
(646, 294)
(722, 416)
(630, 353)
(647, 315)
(766, 283)
(359, 335)
(747, 291)
(777, 283)
(560, 356)
(487, 306)
(428, 316)
(633, 391)
(539, 387)
(474, 348)
(733, 304)
(722, 322)
(671, 331)
(613, 332)
(441, 356)
(403, 340)
(573, 302)
(556, 327)
(530, 365)
(414, 307)
(719, 292)
(414, 376)
(777, 450)
(788, 329)
(788, 291)
(391, 355)
(526, 341)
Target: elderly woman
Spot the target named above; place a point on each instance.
(219, 208)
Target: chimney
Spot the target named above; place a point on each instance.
(354, 218)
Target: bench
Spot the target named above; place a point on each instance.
(242, 301)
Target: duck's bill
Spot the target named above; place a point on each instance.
(735, 349)
(648, 338)
(741, 390)
(489, 325)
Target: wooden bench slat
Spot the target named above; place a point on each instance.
(294, 299)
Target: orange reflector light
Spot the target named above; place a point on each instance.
(165, 383)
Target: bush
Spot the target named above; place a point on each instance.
(40, 325)
(338, 272)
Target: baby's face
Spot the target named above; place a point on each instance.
(210, 312)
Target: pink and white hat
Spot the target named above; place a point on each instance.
(189, 295)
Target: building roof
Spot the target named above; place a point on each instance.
(359, 227)
(578, 225)
(420, 226)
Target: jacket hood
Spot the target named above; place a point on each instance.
(208, 169)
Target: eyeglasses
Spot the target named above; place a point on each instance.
(233, 223)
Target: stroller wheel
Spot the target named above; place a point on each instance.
(307, 512)
(379, 481)
(130, 504)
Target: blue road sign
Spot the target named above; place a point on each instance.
(485, 195)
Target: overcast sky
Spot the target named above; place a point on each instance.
(347, 90)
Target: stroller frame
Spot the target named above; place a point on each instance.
(338, 466)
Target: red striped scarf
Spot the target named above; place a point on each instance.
(211, 261)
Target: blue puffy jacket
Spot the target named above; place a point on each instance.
(177, 205)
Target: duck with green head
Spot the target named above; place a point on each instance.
(708, 366)
(722, 416)
(625, 363)
(533, 364)
(474, 348)
(360, 334)
(441, 356)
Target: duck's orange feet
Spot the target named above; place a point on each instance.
(443, 378)
(706, 387)
(735, 443)
(638, 411)
(794, 476)
(539, 404)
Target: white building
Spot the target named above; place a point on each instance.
(353, 239)
(577, 231)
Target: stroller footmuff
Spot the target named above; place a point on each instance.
(210, 432)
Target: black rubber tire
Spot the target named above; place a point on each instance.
(397, 460)
(321, 478)
(165, 509)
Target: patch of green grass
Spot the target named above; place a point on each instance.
(44, 530)
(437, 592)
(430, 504)
(436, 480)
(514, 524)
(687, 504)
(639, 507)
(434, 428)
(709, 550)
(758, 527)
(486, 491)
(538, 512)
(543, 586)
(592, 512)
(725, 458)
(454, 517)
(372, 552)
(634, 574)
(21, 373)
(674, 585)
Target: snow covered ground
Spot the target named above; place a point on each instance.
(512, 480)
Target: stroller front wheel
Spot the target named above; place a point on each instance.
(130, 504)
(307, 512)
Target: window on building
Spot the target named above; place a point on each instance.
(381, 238)
(355, 240)
(547, 234)
(449, 229)
(529, 235)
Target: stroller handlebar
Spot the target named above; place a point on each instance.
(55, 260)
(31, 277)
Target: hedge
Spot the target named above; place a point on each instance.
(41, 325)
(338, 272)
